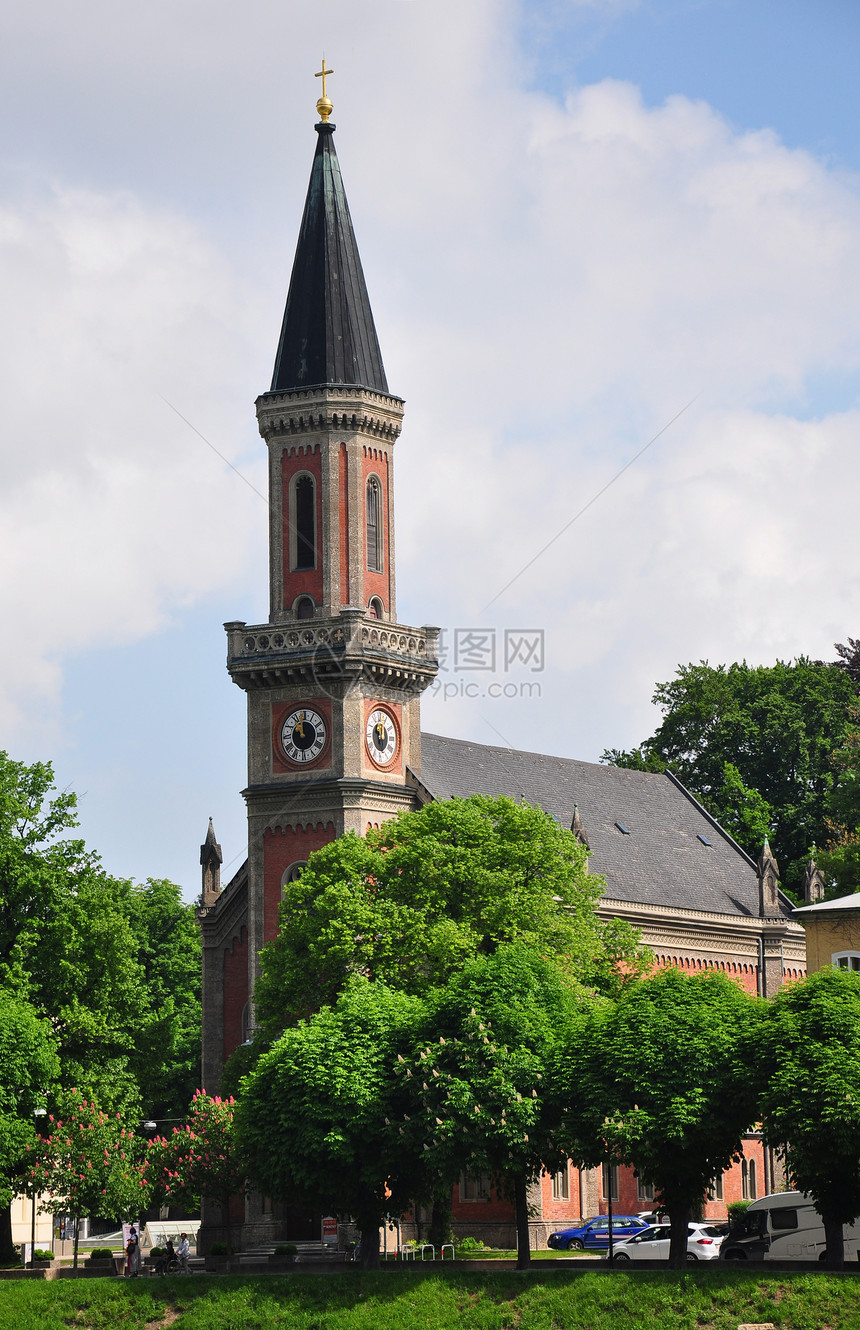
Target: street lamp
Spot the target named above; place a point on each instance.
(38, 1113)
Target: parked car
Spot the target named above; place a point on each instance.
(594, 1232)
(784, 1227)
(703, 1243)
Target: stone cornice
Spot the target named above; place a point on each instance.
(321, 802)
(349, 645)
(322, 409)
(667, 928)
(747, 923)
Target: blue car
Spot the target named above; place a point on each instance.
(594, 1233)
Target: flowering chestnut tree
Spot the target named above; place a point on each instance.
(90, 1164)
(199, 1160)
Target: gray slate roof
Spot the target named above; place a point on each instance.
(328, 335)
(660, 862)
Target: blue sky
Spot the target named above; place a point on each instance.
(787, 64)
(575, 220)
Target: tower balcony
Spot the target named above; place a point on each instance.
(348, 646)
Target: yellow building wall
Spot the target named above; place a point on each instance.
(22, 1219)
(829, 934)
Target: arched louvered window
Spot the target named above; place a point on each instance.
(373, 506)
(293, 873)
(304, 523)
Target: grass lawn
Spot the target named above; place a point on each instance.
(406, 1300)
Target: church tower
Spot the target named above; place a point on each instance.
(333, 681)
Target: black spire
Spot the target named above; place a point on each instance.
(328, 334)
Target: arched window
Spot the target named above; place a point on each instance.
(305, 608)
(375, 609)
(304, 523)
(846, 960)
(373, 506)
(293, 873)
(745, 1180)
(753, 1191)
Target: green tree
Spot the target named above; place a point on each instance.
(91, 1164)
(29, 1070)
(809, 1052)
(63, 935)
(315, 1118)
(199, 1161)
(477, 1080)
(840, 863)
(165, 1055)
(662, 1079)
(840, 858)
(417, 899)
(776, 725)
(114, 965)
(844, 801)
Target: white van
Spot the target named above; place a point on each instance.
(783, 1227)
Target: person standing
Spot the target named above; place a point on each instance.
(132, 1254)
(182, 1254)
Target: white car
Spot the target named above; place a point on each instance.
(652, 1244)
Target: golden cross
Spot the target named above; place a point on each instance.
(321, 74)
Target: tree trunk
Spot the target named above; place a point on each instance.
(440, 1220)
(7, 1249)
(834, 1237)
(679, 1218)
(368, 1227)
(77, 1236)
(521, 1204)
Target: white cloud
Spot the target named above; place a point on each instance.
(646, 255)
(112, 512)
(552, 283)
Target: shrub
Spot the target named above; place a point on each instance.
(101, 1254)
(218, 1249)
(472, 1244)
(737, 1210)
(41, 1254)
(286, 1249)
(157, 1252)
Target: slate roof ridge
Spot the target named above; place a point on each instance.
(658, 862)
(710, 818)
(544, 757)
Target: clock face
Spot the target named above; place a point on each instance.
(381, 737)
(303, 735)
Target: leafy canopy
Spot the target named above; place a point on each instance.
(315, 1116)
(114, 966)
(809, 1048)
(754, 744)
(199, 1159)
(477, 1076)
(91, 1163)
(417, 899)
(29, 1070)
(662, 1080)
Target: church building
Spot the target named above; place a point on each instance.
(334, 683)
